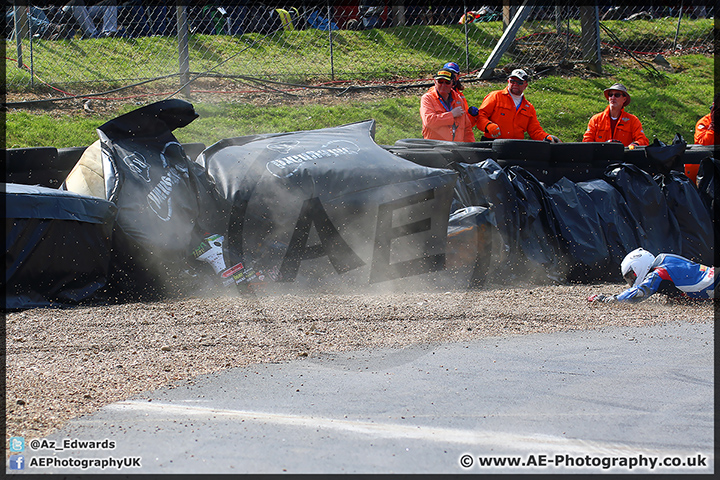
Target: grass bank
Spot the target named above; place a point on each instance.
(666, 104)
(303, 56)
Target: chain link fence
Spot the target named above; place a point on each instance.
(77, 50)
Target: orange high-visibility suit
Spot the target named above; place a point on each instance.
(628, 129)
(469, 135)
(498, 107)
(703, 134)
(439, 124)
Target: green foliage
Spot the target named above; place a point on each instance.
(24, 129)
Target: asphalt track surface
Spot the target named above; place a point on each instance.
(571, 402)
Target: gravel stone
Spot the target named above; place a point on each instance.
(65, 363)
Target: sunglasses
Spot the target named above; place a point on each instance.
(516, 82)
(616, 95)
(442, 81)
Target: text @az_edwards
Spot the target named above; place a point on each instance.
(19, 461)
(71, 444)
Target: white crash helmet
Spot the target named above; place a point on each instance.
(636, 265)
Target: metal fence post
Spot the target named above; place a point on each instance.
(467, 41)
(398, 10)
(21, 30)
(332, 57)
(183, 50)
(563, 31)
(507, 14)
(590, 25)
(677, 30)
(505, 41)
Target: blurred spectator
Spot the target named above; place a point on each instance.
(104, 12)
(316, 20)
(370, 12)
(133, 18)
(40, 24)
(484, 14)
(160, 16)
(206, 18)
(264, 19)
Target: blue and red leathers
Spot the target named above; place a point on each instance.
(674, 276)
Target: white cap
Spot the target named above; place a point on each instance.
(520, 73)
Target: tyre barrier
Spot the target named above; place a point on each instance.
(695, 154)
(50, 166)
(641, 157)
(638, 157)
(634, 155)
(522, 149)
(571, 152)
(473, 154)
(60, 245)
(546, 222)
(688, 162)
(577, 172)
(429, 143)
(486, 144)
(465, 152)
(540, 170)
(35, 166)
(423, 142)
(548, 162)
(606, 153)
(577, 161)
(69, 156)
(427, 157)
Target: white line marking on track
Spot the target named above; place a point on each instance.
(498, 440)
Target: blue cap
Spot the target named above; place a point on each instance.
(452, 67)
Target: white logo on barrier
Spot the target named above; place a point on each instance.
(136, 163)
(285, 166)
(159, 198)
(282, 147)
(347, 144)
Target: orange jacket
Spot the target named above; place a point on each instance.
(498, 107)
(703, 134)
(438, 122)
(627, 130)
(469, 135)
